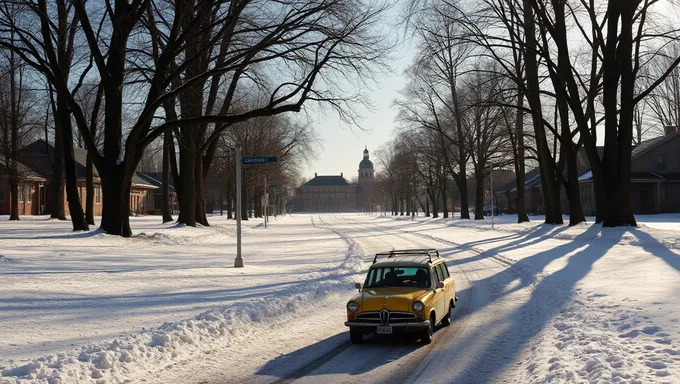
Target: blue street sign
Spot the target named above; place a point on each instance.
(259, 159)
(254, 159)
(272, 186)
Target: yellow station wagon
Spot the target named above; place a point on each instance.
(405, 292)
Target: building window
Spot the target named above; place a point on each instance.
(586, 195)
(661, 162)
(21, 193)
(98, 194)
(28, 191)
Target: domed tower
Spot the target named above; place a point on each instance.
(366, 171)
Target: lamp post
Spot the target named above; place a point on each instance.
(238, 263)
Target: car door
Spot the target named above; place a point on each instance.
(448, 282)
(440, 294)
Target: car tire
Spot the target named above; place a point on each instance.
(426, 335)
(446, 320)
(356, 337)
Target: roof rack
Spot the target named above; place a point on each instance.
(425, 252)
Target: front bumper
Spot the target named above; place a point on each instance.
(396, 328)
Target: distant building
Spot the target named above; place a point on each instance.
(335, 194)
(655, 180)
(326, 194)
(365, 186)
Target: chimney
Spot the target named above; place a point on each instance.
(341, 174)
(314, 174)
(670, 129)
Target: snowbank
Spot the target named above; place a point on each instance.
(287, 291)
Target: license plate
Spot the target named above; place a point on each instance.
(384, 330)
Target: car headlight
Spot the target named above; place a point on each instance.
(418, 306)
(352, 306)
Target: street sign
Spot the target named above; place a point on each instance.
(254, 159)
(259, 159)
(272, 186)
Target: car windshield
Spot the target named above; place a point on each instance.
(382, 277)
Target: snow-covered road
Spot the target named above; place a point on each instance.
(537, 304)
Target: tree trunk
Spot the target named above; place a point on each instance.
(14, 198)
(620, 213)
(229, 202)
(57, 184)
(445, 203)
(435, 203)
(89, 190)
(165, 182)
(116, 200)
(479, 193)
(244, 201)
(427, 205)
(546, 165)
(201, 214)
(74, 205)
(187, 200)
(520, 167)
(461, 183)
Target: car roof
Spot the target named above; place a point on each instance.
(407, 260)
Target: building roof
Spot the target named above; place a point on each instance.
(366, 163)
(533, 177)
(25, 172)
(155, 179)
(327, 181)
(650, 144)
(38, 157)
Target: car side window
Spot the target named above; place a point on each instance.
(445, 270)
(439, 272)
(437, 279)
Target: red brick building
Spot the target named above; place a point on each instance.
(35, 191)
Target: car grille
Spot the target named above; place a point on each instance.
(395, 317)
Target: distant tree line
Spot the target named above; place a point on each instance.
(506, 83)
(124, 76)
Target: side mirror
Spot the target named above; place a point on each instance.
(357, 286)
(440, 285)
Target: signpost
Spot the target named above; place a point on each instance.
(247, 160)
(238, 263)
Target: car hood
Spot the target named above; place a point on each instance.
(393, 299)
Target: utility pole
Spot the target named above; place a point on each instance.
(238, 263)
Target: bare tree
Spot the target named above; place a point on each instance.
(310, 43)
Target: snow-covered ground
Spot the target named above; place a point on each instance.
(98, 306)
(538, 303)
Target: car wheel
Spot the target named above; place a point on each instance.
(356, 336)
(426, 335)
(446, 320)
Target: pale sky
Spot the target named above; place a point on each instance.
(342, 147)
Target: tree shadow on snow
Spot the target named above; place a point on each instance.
(656, 248)
(550, 294)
